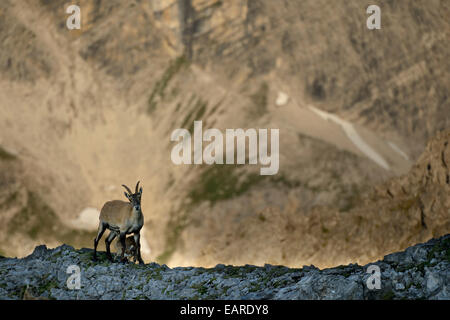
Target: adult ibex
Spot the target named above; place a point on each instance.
(121, 218)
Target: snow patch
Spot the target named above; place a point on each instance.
(354, 137)
(87, 219)
(282, 99)
(398, 150)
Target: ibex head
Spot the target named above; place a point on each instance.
(134, 198)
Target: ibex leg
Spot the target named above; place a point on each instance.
(101, 230)
(137, 239)
(108, 241)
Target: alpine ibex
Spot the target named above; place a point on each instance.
(130, 250)
(121, 218)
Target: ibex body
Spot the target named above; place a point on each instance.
(121, 218)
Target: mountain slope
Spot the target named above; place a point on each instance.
(390, 217)
(86, 111)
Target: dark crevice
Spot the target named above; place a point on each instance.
(390, 193)
(422, 215)
(443, 160)
(187, 22)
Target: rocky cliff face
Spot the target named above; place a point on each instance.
(325, 50)
(420, 272)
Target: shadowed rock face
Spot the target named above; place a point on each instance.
(383, 78)
(91, 109)
(419, 272)
(405, 210)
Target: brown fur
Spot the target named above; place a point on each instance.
(116, 212)
(121, 218)
(130, 250)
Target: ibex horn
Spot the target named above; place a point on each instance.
(128, 189)
(137, 186)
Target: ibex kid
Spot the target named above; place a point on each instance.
(130, 250)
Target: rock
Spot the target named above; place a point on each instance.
(39, 251)
(404, 275)
(399, 286)
(433, 283)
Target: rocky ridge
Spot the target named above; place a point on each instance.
(420, 272)
(77, 103)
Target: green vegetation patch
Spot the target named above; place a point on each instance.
(198, 107)
(46, 286)
(197, 113)
(159, 90)
(216, 107)
(238, 271)
(154, 275)
(5, 155)
(215, 183)
(439, 247)
(388, 295)
(259, 99)
(221, 182)
(405, 204)
(201, 288)
(17, 292)
(102, 259)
